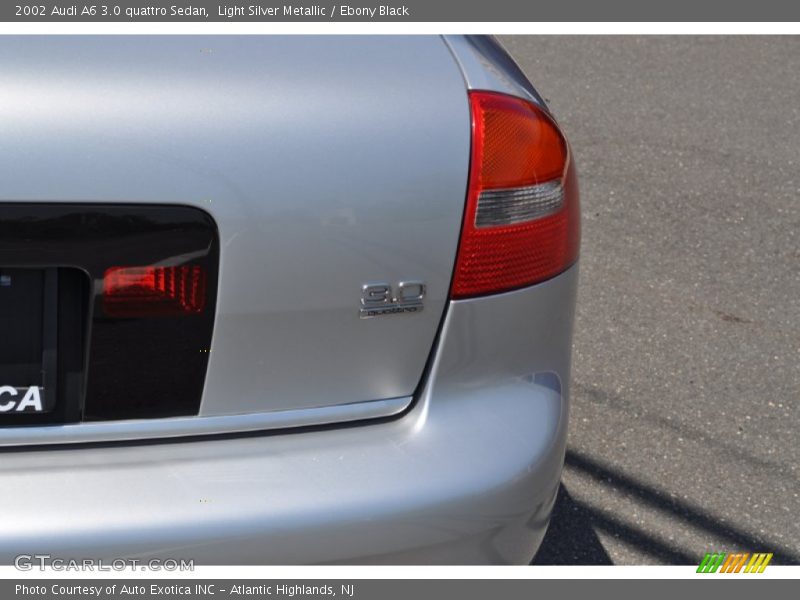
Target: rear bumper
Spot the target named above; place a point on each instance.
(467, 475)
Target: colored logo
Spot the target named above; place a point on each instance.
(743, 562)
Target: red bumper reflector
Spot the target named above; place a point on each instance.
(154, 291)
(522, 220)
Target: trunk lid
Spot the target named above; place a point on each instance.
(327, 163)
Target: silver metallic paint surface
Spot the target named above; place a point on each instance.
(467, 476)
(176, 427)
(326, 161)
(486, 65)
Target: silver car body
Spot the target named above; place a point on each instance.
(326, 163)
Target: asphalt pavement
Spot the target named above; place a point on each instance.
(686, 374)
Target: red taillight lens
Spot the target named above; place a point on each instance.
(154, 291)
(522, 221)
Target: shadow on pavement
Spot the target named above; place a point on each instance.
(572, 538)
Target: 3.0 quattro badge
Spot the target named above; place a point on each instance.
(382, 299)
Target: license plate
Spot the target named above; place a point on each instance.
(28, 333)
(22, 400)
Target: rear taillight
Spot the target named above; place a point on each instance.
(154, 291)
(522, 221)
